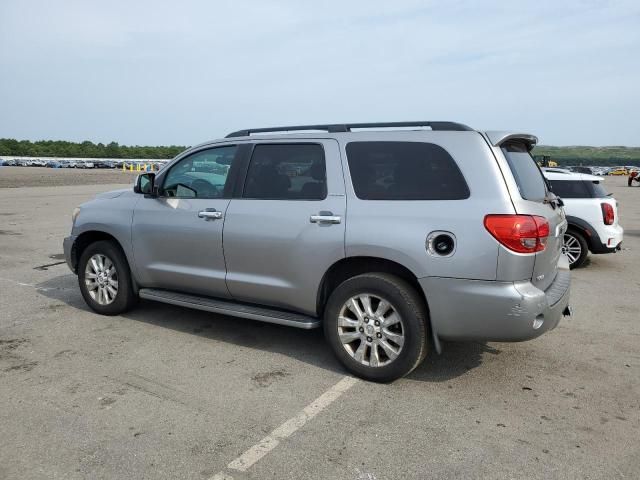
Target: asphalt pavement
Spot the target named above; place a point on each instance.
(167, 392)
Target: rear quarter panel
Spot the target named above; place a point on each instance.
(541, 267)
(397, 230)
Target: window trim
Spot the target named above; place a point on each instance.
(231, 175)
(455, 163)
(241, 181)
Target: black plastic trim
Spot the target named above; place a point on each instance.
(245, 152)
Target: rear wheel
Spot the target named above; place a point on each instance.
(376, 326)
(105, 279)
(575, 247)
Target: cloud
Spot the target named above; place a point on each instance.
(157, 73)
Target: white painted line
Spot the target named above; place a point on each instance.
(221, 476)
(288, 428)
(31, 285)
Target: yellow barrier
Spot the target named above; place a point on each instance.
(146, 167)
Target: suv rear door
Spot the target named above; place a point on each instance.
(286, 226)
(530, 196)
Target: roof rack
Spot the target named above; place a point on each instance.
(347, 127)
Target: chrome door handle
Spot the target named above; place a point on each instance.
(325, 218)
(210, 214)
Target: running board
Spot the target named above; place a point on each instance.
(233, 309)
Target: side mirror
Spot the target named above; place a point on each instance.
(145, 184)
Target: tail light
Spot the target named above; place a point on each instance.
(520, 233)
(607, 213)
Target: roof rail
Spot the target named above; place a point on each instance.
(347, 127)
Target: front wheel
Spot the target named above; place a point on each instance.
(575, 248)
(376, 324)
(105, 279)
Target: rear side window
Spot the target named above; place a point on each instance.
(578, 189)
(404, 171)
(570, 188)
(525, 171)
(597, 189)
(293, 171)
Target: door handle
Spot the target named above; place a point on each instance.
(325, 217)
(210, 214)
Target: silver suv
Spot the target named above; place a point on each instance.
(392, 237)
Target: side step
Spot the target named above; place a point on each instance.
(233, 309)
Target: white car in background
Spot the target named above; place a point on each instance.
(591, 212)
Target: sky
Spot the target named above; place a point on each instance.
(183, 72)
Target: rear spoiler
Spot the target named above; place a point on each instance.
(498, 139)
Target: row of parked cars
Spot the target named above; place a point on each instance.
(602, 171)
(81, 163)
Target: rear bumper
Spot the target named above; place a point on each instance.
(69, 252)
(608, 240)
(494, 311)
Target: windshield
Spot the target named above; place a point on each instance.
(526, 172)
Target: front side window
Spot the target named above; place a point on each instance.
(294, 171)
(201, 175)
(404, 171)
(526, 172)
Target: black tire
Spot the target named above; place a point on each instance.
(584, 248)
(125, 297)
(408, 304)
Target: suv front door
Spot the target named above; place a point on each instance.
(287, 226)
(177, 236)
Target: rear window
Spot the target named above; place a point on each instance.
(526, 172)
(570, 188)
(404, 171)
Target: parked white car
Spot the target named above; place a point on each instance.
(591, 212)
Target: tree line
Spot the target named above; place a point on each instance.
(86, 149)
(588, 156)
(605, 156)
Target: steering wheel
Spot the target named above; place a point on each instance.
(204, 189)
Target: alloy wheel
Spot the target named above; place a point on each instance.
(371, 330)
(101, 279)
(571, 248)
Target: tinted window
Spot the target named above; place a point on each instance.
(404, 171)
(201, 175)
(597, 189)
(526, 172)
(287, 172)
(570, 188)
(582, 170)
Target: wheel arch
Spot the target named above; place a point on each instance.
(91, 236)
(349, 267)
(584, 227)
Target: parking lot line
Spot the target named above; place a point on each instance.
(288, 428)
